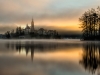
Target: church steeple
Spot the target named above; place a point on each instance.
(32, 25)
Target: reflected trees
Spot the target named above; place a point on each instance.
(91, 57)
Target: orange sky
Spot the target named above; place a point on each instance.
(58, 14)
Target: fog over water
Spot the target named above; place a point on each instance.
(49, 57)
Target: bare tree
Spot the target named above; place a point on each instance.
(90, 24)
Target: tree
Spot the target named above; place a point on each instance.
(17, 32)
(12, 33)
(31, 34)
(90, 24)
(7, 34)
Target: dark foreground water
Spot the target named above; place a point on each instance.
(49, 57)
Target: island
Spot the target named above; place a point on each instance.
(29, 32)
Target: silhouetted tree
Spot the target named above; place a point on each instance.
(12, 34)
(7, 34)
(90, 24)
(17, 32)
(31, 34)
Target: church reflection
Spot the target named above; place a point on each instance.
(37, 47)
(20, 47)
(33, 47)
(91, 57)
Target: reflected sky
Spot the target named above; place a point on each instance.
(59, 57)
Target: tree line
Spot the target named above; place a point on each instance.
(41, 33)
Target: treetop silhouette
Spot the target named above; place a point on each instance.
(90, 24)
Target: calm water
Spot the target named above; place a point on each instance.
(53, 57)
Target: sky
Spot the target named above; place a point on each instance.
(62, 15)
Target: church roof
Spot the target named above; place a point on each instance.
(27, 27)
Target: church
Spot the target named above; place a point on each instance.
(31, 32)
(29, 29)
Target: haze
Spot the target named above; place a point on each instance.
(62, 15)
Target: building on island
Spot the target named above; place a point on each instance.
(29, 29)
(32, 26)
(31, 32)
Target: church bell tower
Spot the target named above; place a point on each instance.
(32, 26)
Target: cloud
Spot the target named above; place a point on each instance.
(4, 28)
(44, 12)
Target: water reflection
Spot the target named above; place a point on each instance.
(91, 57)
(38, 47)
(20, 47)
(50, 58)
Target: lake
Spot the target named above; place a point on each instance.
(49, 57)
